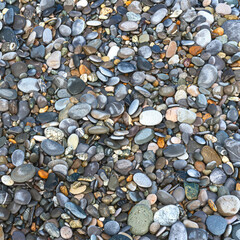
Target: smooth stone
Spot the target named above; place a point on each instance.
(191, 190)
(76, 210)
(236, 232)
(98, 130)
(19, 68)
(145, 51)
(52, 148)
(232, 30)
(65, 30)
(186, 116)
(22, 197)
(197, 233)
(233, 149)
(143, 64)
(174, 150)
(179, 194)
(143, 136)
(165, 197)
(28, 85)
(4, 214)
(9, 94)
(54, 60)
(38, 52)
(178, 231)
(142, 180)
(228, 205)
(61, 104)
(207, 76)
(128, 26)
(167, 215)
(77, 27)
(158, 16)
(126, 67)
(133, 107)
(79, 111)
(66, 232)
(140, 218)
(17, 157)
(123, 166)
(203, 38)
(214, 47)
(3, 105)
(218, 176)
(209, 155)
(150, 118)
(47, 36)
(75, 85)
(73, 141)
(23, 173)
(52, 230)
(216, 225)
(111, 228)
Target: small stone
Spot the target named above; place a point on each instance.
(111, 228)
(79, 111)
(54, 60)
(203, 37)
(142, 180)
(158, 16)
(22, 197)
(128, 26)
(66, 232)
(52, 148)
(17, 157)
(144, 136)
(52, 230)
(223, 9)
(178, 231)
(28, 85)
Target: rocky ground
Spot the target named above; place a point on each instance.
(119, 119)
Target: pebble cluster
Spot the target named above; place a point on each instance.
(119, 119)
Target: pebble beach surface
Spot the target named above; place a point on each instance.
(119, 119)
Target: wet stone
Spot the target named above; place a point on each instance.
(52, 148)
(23, 173)
(22, 197)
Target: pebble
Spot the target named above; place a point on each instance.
(52, 148)
(140, 218)
(178, 231)
(167, 215)
(150, 118)
(23, 173)
(216, 224)
(228, 205)
(142, 180)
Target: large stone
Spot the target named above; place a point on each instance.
(150, 118)
(233, 149)
(209, 155)
(207, 76)
(178, 231)
(232, 30)
(140, 218)
(167, 215)
(228, 205)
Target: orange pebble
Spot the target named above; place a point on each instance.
(129, 178)
(84, 70)
(64, 190)
(178, 22)
(219, 31)
(43, 174)
(128, 3)
(160, 142)
(200, 166)
(238, 187)
(33, 227)
(209, 101)
(75, 72)
(125, 38)
(12, 141)
(206, 116)
(199, 114)
(99, 223)
(195, 50)
(212, 205)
